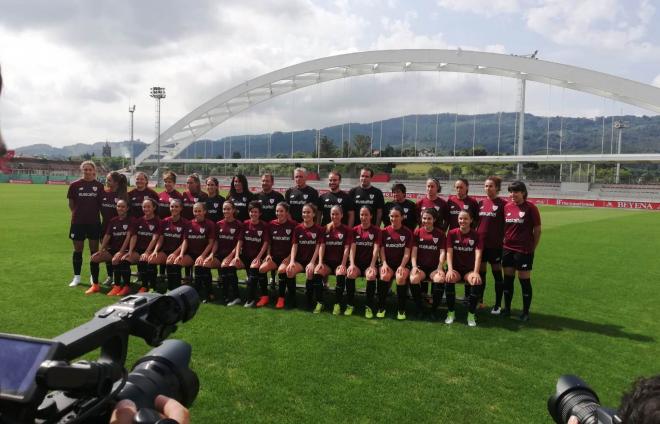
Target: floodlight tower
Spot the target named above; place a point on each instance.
(157, 93)
(619, 125)
(131, 110)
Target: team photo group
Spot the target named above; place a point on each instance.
(424, 248)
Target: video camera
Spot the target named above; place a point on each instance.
(38, 383)
(574, 398)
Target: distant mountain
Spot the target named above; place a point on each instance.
(119, 149)
(492, 132)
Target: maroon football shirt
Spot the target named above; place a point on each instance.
(464, 248)
(227, 235)
(164, 202)
(135, 199)
(520, 221)
(457, 205)
(172, 233)
(491, 222)
(428, 245)
(306, 239)
(439, 205)
(364, 240)
(118, 229)
(253, 236)
(144, 230)
(108, 207)
(395, 242)
(335, 240)
(86, 196)
(281, 236)
(198, 236)
(189, 201)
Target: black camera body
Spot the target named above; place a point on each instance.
(38, 382)
(573, 397)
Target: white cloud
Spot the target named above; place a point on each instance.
(482, 7)
(656, 81)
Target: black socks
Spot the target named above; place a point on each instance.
(77, 262)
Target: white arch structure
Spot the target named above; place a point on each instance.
(265, 87)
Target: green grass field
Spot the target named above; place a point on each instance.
(595, 314)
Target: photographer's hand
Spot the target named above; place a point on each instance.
(125, 410)
(573, 420)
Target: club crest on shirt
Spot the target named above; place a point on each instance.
(402, 238)
(357, 196)
(260, 233)
(437, 208)
(201, 230)
(272, 201)
(471, 242)
(371, 236)
(232, 230)
(456, 242)
(313, 236)
(371, 196)
(94, 188)
(435, 239)
(215, 205)
(405, 210)
(293, 196)
(178, 229)
(287, 231)
(521, 214)
(466, 207)
(124, 226)
(80, 189)
(151, 227)
(196, 199)
(495, 207)
(305, 196)
(508, 214)
(340, 236)
(327, 200)
(339, 200)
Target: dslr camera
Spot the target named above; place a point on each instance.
(573, 397)
(40, 383)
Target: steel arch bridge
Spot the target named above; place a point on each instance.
(265, 87)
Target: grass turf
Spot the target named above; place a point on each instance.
(594, 314)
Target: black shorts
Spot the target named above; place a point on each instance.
(79, 232)
(427, 271)
(333, 266)
(519, 261)
(278, 260)
(492, 255)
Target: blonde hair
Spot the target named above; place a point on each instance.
(88, 162)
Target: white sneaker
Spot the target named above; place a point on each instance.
(471, 320)
(495, 310)
(108, 281)
(450, 318)
(235, 302)
(249, 304)
(75, 281)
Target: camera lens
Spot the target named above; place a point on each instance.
(573, 397)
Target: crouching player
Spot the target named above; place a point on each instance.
(427, 257)
(464, 250)
(113, 248)
(144, 236)
(363, 256)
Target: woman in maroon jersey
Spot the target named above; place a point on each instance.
(363, 257)
(427, 258)
(522, 234)
(491, 231)
(170, 192)
(250, 250)
(192, 195)
(279, 250)
(143, 239)
(116, 188)
(396, 242)
(113, 248)
(333, 255)
(139, 193)
(168, 247)
(85, 204)
(307, 238)
(433, 200)
(228, 231)
(196, 247)
(464, 251)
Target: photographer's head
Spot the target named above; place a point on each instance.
(642, 404)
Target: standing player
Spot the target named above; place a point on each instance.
(268, 197)
(116, 188)
(85, 204)
(143, 239)
(304, 252)
(240, 195)
(363, 256)
(138, 194)
(407, 206)
(281, 232)
(464, 250)
(168, 247)
(427, 257)
(250, 250)
(214, 201)
(113, 248)
(197, 245)
(300, 194)
(433, 200)
(227, 231)
(192, 195)
(394, 256)
(522, 234)
(491, 231)
(336, 197)
(333, 255)
(367, 195)
(170, 192)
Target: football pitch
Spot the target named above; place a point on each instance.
(595, 313)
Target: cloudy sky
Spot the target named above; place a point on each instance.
(72, 68)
